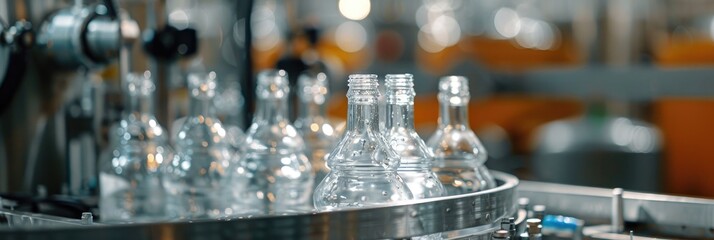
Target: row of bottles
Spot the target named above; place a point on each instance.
(281, 168)
(375, 165)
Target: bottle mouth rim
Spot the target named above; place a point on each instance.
(396, 82)
(454, 86)
(399, 76)
(358, 76)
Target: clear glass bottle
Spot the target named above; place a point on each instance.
(312, 123)
(363, 165)
(280, 175)
(415, 166)
(130, 168)
(459, 154)
(199, 182)
(229, 103)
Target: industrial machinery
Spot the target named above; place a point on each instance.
(614, 174)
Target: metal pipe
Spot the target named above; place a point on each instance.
(248, 87)
(617, 220)
(33, 153)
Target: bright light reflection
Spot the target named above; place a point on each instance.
(536, 34)
(426, 41)
(179, 19)
(439, 31)
(445, 30)
(559, 137)
(351, 36)
(620, 131)
(265, 28)
(355, 9)
(327, 129)
(643, 140)
(507, 22)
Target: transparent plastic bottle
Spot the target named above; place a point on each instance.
(312, 123)
(200, 182)
(415, 166)
(363, 165)
(280, 175)
(459, 154)
(130, 168)
(229, 103)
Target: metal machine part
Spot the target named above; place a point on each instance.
(533, 229)
(16, 219)
(86, 36)
(676, 217)
(667, 215)
(500, 234)
(579, 151)
(617, 222)
(14, 40)
(4, 51)
(410, 218)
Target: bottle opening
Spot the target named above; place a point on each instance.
(363, 88)
(399, 81)
(454, 90)
(400, 88)
(362, 81)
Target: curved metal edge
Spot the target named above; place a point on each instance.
(670, 215)
(411, 218)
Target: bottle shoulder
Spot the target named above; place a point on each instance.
(206, 163)
(279, 137)
(138, 128)
(135, 158)
(201, 132)
(457, 143)
(363, 149)
(408, 144)
(318, 126)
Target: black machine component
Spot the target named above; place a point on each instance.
(170, 43)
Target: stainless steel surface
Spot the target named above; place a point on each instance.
(60, 37)
(617, 222)
(410, 218)
(578, 151)
(80, 36)
(10, 219)
(87, 218)
(103, 38)
(678, 216)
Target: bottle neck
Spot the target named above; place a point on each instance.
(200, 107)
(139, 105)
(456, 116)
(311, 110)
(400, 116)
(271, 110)
(362, 117)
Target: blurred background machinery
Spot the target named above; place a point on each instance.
(552, 77)
(601, 93)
